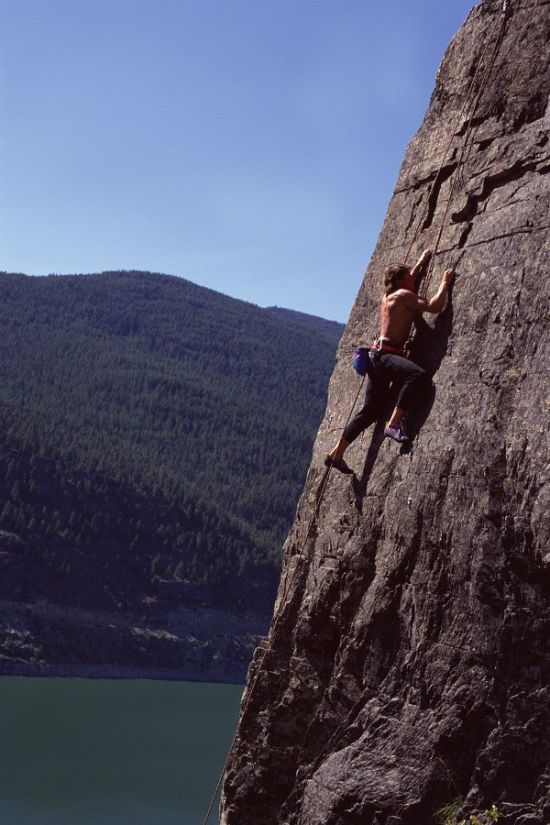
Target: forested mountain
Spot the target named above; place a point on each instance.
(331, 330)
(154, 438)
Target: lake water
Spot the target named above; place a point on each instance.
(112, 752)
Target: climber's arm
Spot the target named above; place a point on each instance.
(436, 303)
(424, 259)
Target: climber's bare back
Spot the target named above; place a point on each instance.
(399, 308)
(396, 315)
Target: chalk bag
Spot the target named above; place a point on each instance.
(360, 356)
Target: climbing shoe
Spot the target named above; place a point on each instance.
(338, 464)
(397, 433)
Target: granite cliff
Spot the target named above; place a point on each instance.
(407, 667)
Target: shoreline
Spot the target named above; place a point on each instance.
(211, 676)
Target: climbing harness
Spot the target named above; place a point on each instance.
(387, 345)
(366, 364)
(364, 358)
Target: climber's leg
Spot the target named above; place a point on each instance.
(412, 379)
(367, 415)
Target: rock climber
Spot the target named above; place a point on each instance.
(389, 362)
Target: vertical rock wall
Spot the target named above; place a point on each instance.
(408, 666)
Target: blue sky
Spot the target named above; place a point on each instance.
(250, 146)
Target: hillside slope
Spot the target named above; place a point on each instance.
(408, 666)
(331, 330)
(155, 435)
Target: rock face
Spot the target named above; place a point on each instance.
(407, 667)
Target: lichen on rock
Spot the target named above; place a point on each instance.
(408, 662)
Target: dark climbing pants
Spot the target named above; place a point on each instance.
(390, 370)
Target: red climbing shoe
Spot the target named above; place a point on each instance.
(397, 433)
(338, 464)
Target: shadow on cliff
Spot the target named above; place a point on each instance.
(430, 346)
(428, 350)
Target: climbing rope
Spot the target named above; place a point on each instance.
(282, 599)
(324, 483)
(500, 24)
(339, 732)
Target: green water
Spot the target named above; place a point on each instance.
(112, 752)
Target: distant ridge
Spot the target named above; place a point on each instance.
(332, 330)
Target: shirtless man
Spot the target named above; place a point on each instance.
(400, 304)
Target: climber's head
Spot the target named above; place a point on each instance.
(398, 276)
